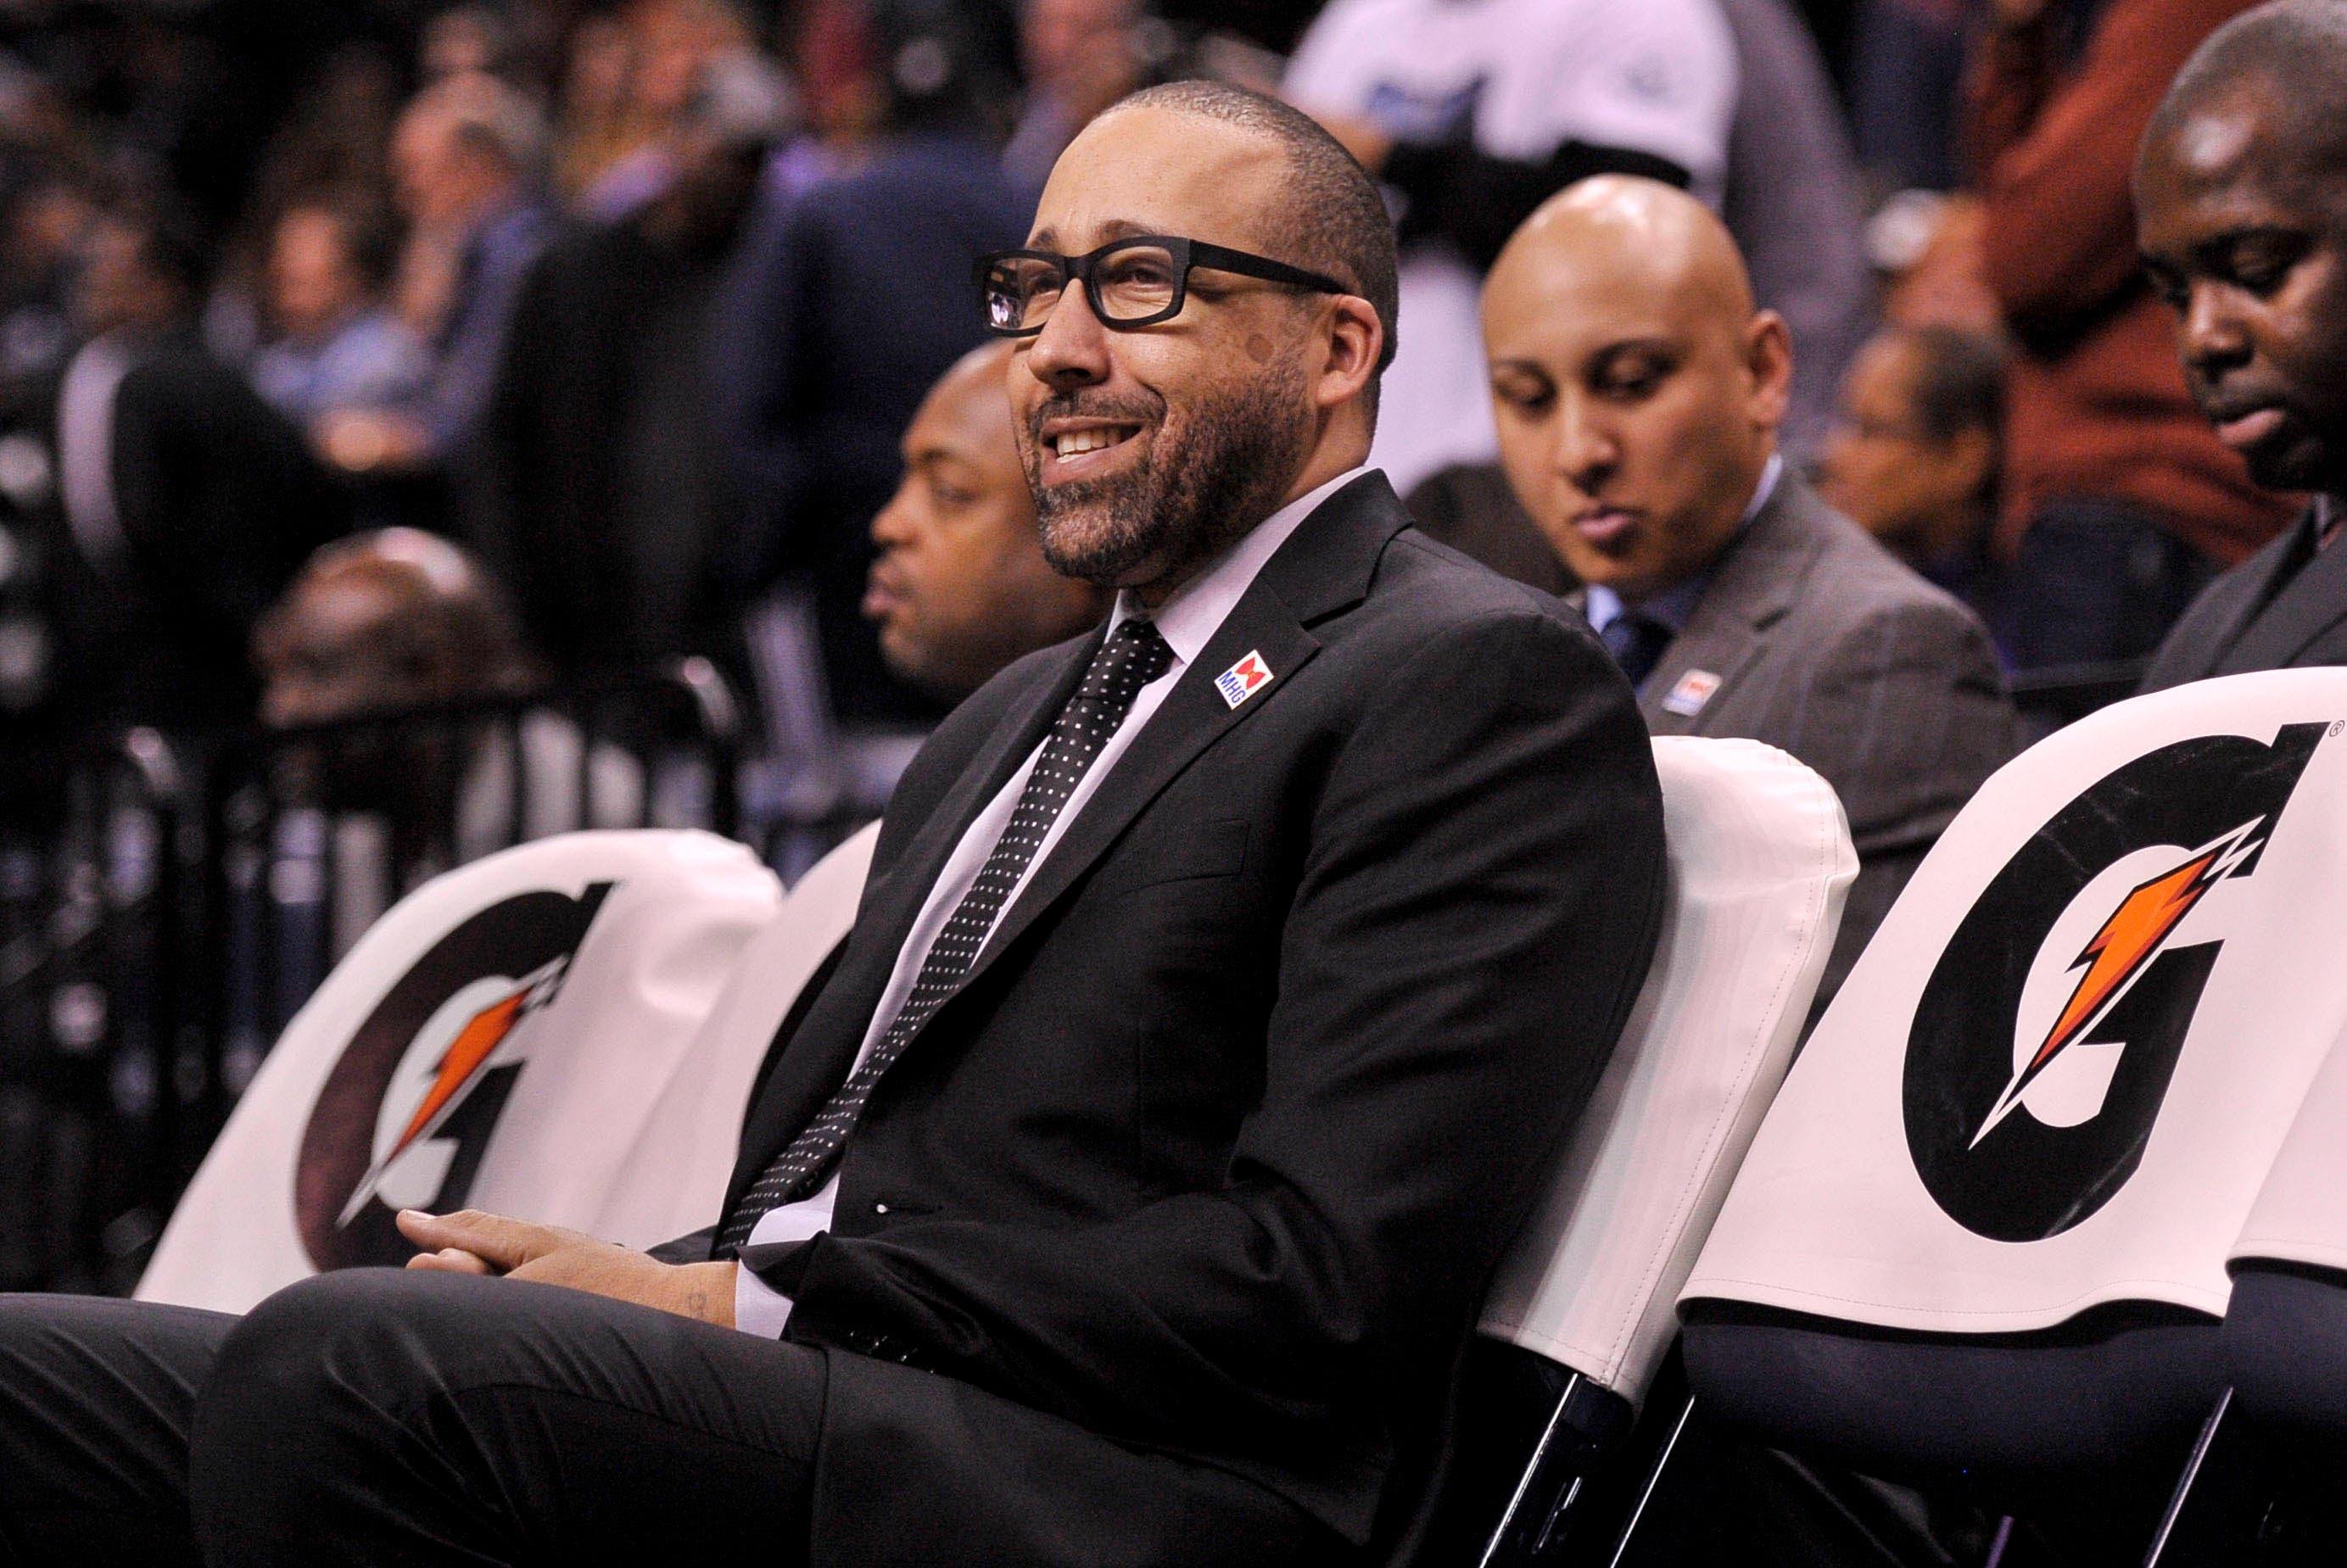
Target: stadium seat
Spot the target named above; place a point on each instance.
(498, 1040)
(1580, 1315)
(1982, 1233)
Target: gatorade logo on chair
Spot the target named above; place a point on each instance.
(2086, 955)
(407, 1111)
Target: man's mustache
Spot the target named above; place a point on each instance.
(1079, 406)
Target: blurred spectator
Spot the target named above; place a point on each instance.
(1907, 69)
(2119, 504)
(382, 624)
(464, 41)
(605, 494)
(381, 621)
(675, 47)
(188, 500)
(2239, 189)
(961, 587)
(596, 127)
(1928, 250)
(334, 343)
(1639, 394)
(465, 162)
(1913, 458)
(1795, 208)
(859, 298)
(1079, 57)
(1473, 115)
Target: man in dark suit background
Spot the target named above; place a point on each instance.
(1638, 393)
(2242, 215)
(187, 503)
(1246, 958)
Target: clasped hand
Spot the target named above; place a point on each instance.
(470, 1241)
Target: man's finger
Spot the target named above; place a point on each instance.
(497, 1240)
(450, 1260)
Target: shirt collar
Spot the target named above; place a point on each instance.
(1674, 607)
(1198, 608)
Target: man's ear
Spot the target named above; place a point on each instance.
(1973, 453)
(1768, 359)
(1356, 339)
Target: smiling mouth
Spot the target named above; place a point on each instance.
(1070, 444)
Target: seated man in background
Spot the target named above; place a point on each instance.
(1638, 392)
(1913, 456)
(961, 588)
(1126, 1191)
(2241, 196)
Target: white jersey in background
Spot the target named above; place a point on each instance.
(1522, 76)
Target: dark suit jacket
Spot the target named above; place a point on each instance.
(1213, 1153)
(1827, 646)
(220, 502)
(2282, 608)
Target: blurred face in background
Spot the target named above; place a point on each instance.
(442, 177)
(117, 288)
(313, 280)
(2243, 228)
(1150, 450)
(1637, 391)
(961, 588)
(1080, 50)
(1883, 466)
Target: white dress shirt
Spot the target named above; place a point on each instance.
(1187, 621)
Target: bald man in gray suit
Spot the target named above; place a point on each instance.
(1639, 394)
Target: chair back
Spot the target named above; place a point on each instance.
(494, 1042)
(1759, 860)
(1984, 1224)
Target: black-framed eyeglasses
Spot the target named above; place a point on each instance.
(1131, 282)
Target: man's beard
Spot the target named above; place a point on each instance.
(1193, 495)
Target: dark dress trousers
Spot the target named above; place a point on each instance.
(2284, 607)
(1159, 1242)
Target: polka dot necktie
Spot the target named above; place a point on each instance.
(1132, 656)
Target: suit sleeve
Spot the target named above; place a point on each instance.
(1906, 715)
(1474, 913)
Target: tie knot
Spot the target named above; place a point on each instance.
(1135, 653)
(1636, 640)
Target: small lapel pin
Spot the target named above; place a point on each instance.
(1243, 679)
(1692, 691)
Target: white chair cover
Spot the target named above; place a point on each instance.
(1759, 860)
(2300, 1214)
(497, 1039)
(2060, 1071)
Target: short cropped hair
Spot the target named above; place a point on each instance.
(1334, 221)
(2299, 48)
(1959, 381)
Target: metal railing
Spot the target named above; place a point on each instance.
(167, 918)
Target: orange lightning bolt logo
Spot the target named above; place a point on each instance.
(2125, 946)
(460, 1068)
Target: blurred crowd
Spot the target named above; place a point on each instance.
(653, 313)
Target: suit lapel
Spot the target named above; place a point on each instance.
(827, 1041)
(1762, 576)
(1325, 565)
(2310, 604)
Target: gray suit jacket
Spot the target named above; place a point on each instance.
(1825, 645)
(2283, 608)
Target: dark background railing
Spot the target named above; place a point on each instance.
(164, 919)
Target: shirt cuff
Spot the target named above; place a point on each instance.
(758, 1308)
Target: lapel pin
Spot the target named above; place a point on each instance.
(1243, 679)
(1693, 690)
